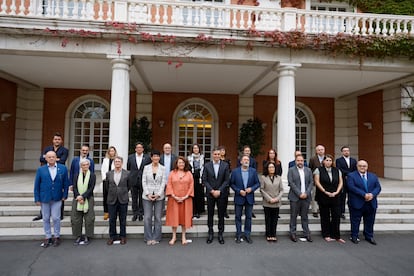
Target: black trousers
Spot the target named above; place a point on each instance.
(198, 199)
(221, 205)
(330, 219)
(271, 219)
(137, 208)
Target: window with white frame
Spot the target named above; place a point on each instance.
(90, 126)
(195, 125)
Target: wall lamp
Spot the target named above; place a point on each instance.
(228, 124)
(368, 125)
(161, 123)
(4, 116)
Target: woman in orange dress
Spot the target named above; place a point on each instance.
(180, 191)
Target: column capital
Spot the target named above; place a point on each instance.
(288, 66)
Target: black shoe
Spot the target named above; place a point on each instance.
(238, 240)
(315, 215)
(196, 216)
(293, 238)
(39, 217)
(77, 241)
(343, 216)
(226, 215)
(86, 240)
(140, 217)
(308, 238)
(220, 239)
(354, 240)
(62, 217)
(371, 241)
(253, 215)
(209, 239)
(248, 239)
(134, 217)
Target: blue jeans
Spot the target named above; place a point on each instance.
(152, 229)
(115, 210)
(49, 209)
(248, 209)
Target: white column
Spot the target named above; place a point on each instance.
(286, 135)
(119, 119)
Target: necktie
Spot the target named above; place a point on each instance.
(364, 178)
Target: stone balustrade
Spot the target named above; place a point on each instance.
(209, 15)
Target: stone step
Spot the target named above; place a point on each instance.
(33, 210)
(29, 201)
(101, 232)
(26, 221)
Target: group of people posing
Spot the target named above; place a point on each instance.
(186, 182)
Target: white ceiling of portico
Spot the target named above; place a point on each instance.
(192, 76)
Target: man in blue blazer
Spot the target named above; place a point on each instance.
(216, 179)
(346, 164)
(50, 190)
(75, 165)
(244, 181)
(300, 180)
(363, 189)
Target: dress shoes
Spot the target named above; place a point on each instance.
(343, 216)
(293, 238)
(238, 240)
(226, 215)
(86, 240)
(123, 240)
(221, 239)
(309, 238)
(106, 216)
(248, 239)
(140, 217)
(253, 215)
(134, 217)
(56, 242)
(209, 239)
(371, 241)
(354, 240)
(110, 242)
(39, 217)
(315, 215)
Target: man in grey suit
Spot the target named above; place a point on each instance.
(300, 180)
(118, 186)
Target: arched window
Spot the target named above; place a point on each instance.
(303, 129)
(90, 126)
(195, 124)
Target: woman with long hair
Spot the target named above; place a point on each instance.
(180, 193)
(107, 165)
(196, 161)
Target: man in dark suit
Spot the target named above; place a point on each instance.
(135, 165)
(347, 165)
(75, 167)
(252, 162)
(118, 186)
(300, 180)
(316, 162)
(61, 156)
(244, 181)
(363, 189)
(216, 179)
(167, 159)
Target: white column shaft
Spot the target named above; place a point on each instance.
(286, 131)
(119, 119)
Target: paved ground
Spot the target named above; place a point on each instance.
(394, 255)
